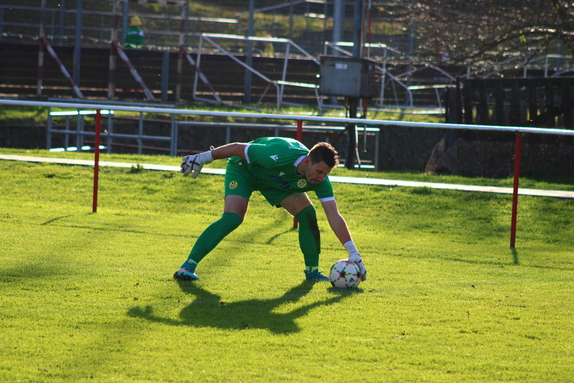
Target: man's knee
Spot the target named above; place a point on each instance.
(236, 204)
(308, 218)
(296, 203)
(308, 211)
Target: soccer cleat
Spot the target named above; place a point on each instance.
(184, 274)
(315, 276)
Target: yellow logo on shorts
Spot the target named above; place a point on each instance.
(233, 184)
(302, 183)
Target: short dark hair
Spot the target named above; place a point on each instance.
(324, 151)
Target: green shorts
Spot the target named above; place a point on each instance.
(239, 182)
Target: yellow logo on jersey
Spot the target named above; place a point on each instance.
(233, 184)
(302, 183)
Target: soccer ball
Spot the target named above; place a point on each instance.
(344, 275)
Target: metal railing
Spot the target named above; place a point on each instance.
(83, 110)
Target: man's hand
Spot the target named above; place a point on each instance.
(355, 257)
(191, 165)
(194, 163)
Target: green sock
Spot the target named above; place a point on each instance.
(212, 236)
(309, 236)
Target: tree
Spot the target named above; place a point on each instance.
(488, 33)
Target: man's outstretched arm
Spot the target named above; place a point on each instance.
(337, 222)
(194, 162)
(229, 150)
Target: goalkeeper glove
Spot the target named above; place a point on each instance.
(194, 163)
(355, 257)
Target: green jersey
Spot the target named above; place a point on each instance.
(134, 37)
(271, 164)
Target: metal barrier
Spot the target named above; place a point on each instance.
(108, 135)
(67, 132)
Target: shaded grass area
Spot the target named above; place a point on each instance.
(89, 297)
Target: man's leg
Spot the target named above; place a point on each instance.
(300, 206)
(309, 236)
(233, 214)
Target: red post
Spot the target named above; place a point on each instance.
(299, 138)
(515, 191)
(96, 161)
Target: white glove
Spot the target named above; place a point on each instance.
(355, 257)
(194, 163)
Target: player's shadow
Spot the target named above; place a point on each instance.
(208, 310)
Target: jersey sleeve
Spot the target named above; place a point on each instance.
(324, 191)
(260, 155)
(246, 153)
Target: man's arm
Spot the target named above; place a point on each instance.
(341, 230)
(229, 150)
(337, 222)
(194, 163)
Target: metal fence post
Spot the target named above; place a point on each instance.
(515, 189)
(140, 134)
(96, 161)
(49, 130)
(174, 138)
(110, 131)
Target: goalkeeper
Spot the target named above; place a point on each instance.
(283, 170)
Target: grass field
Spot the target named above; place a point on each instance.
(90, 297)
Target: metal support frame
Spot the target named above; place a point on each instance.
(278, 84)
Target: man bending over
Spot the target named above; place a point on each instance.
(282, 170)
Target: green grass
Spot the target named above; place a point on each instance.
(89, 297)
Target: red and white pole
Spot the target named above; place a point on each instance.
(41, 51)
(113, 52)
(133, 70)
(44, 42)
(40, 67)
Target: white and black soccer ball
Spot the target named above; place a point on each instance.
(345, 275)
